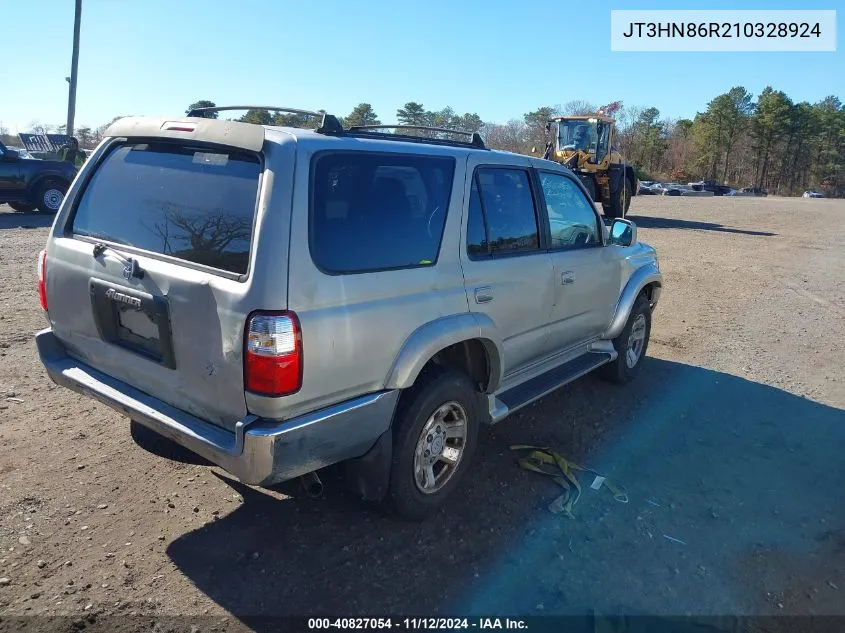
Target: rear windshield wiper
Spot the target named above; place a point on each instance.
(131, 267)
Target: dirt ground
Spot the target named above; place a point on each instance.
(730, 444)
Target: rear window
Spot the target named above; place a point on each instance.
(378, 211)
(194, 203)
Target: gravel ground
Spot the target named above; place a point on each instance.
(730, 445)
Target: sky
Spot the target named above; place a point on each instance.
(497, 58)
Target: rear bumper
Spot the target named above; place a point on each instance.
(259, 452)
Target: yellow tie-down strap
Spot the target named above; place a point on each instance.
(546, 461)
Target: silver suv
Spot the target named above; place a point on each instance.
(278, 299)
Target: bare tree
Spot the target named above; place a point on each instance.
(36, 127)
(626, 117)
(205, 235)
(100, 132)
(578, 107)
(511, 136)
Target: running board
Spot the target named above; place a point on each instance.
(521, 395)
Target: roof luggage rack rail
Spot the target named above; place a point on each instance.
(329, 123)
(373, 131)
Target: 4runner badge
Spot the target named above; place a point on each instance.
(114, 295)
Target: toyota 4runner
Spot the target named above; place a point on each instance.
(278, 299)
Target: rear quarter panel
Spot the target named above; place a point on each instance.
(354, 325)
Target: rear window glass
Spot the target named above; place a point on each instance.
(194, 203)
(378, 211)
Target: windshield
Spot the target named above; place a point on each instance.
(577, 135)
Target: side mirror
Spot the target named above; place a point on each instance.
(623, 232)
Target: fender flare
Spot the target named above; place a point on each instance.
(642, 277)
(434, 336)
(33, 184)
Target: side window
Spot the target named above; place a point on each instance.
(502, 218)
(378, 211)
(572, 219)
(476, 233)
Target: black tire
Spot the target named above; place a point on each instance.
(416, 407)
(619, 370)
(46, 197)
(22, 207)
(590, 185)
(620, 201)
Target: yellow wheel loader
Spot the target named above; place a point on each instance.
(587, 145)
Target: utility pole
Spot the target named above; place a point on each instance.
(71, 97)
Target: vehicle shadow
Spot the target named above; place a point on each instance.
(713, 465)
(15, 220)
(650, 222)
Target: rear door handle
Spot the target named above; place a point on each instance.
(567, 278)
(484, 294)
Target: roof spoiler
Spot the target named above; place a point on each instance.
(231, 133)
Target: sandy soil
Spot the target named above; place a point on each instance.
(730, 445)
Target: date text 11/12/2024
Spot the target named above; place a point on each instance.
(418, 624)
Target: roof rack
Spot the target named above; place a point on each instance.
(373, 131)
(328, 122)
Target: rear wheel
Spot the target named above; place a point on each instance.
(49, 195)
(435, 432)
(21, 207)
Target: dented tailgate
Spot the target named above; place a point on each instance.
(149, 270)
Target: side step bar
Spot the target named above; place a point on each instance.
(521, 395)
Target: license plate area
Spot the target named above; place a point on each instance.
(134, 320)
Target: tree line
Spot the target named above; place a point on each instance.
(767, 141)
(412, 113)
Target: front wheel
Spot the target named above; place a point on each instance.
(620, 201)
(590, 186)
(48, 196)
(435, 432)
(631, 344)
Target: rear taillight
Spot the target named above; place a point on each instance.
(273, 354)
(42, 278)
